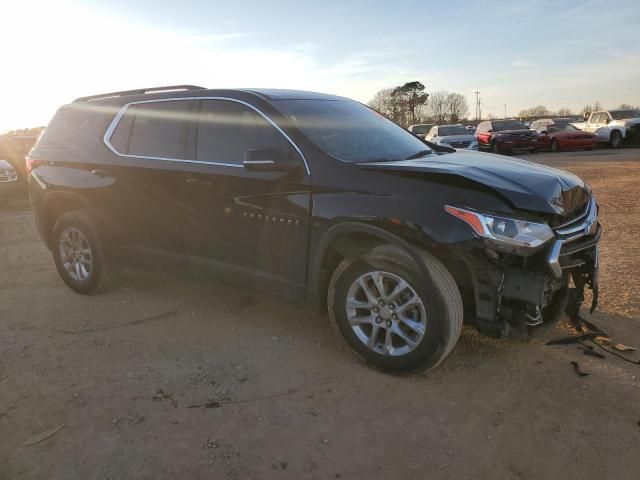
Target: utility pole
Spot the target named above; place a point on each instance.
(505, 110)
(477, 105)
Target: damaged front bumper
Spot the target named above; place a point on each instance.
(513, 294)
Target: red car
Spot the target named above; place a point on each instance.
(505, 136)
(558, 134)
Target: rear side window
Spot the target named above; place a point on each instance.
(226, 130)
(65, 127)
(155, 129)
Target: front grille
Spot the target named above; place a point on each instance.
(460, 144)
(520, 135)
(8, 176)
(576, 241)
(580, 198)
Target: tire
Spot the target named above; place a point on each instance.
(495, 148)
(79, 255)
(615, 139)
(555, 147)
(438, 310)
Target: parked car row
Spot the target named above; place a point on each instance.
(612, 127)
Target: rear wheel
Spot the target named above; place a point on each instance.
(615, 140)
(389, 315)
(79, 254)
(555, 147)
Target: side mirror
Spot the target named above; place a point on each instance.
(270, 160)
(543, 132)
(607, 121)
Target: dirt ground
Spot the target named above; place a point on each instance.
(101, 387)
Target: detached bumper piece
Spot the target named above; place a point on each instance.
(514, 294)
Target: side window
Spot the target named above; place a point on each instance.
(226, 130)
(595, 118)
(65, 127)
(156, 129)
(483, 127)
(433, 132)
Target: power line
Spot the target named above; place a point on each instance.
(477, 104)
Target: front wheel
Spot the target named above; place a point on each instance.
(495, 148)
(615, 140)
(390, 314)
(79, 255)
(555, 147)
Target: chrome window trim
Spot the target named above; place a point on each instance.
(116, 120)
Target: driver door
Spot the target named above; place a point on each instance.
(251, 226)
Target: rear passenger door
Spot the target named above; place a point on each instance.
(145, 205)
(251, 225)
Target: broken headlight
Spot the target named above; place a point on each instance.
(507, 234)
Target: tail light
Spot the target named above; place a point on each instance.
(32, 163)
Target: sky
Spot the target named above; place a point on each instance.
(519, 53)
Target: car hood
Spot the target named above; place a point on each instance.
(456, 138)
(527, 185)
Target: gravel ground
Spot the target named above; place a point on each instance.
(101, 387)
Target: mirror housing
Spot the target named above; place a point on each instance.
(270, 160)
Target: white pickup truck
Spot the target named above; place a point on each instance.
(614, 127)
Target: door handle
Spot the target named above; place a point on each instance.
(197, 181)
(99, 173)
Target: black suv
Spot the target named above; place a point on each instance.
(319, 199)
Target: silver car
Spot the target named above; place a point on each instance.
(455, 136)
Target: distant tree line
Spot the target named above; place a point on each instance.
(410, 104)
(25, 132)
(542, 111)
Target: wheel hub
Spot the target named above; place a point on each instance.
(386, 313)
(76, 254)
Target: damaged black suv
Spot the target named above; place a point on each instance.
(319, 199)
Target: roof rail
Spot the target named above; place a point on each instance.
(139, 91)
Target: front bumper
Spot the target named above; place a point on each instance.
(513, 294)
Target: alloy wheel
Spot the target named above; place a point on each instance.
(386, 313)
(76, 254)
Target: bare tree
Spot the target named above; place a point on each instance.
(564, 112)
(587, 109)
(456, 107)
(625, 106)
(537, 111)
(387, 104)
(597, 107)
(438, 106)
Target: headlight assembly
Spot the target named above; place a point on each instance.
(507, 234)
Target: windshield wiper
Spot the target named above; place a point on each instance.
(420, 154)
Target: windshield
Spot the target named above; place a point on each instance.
(452, 130)
(351, 131)
(508, 125)
(558, 126)
(421, 129)
(622, 114)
